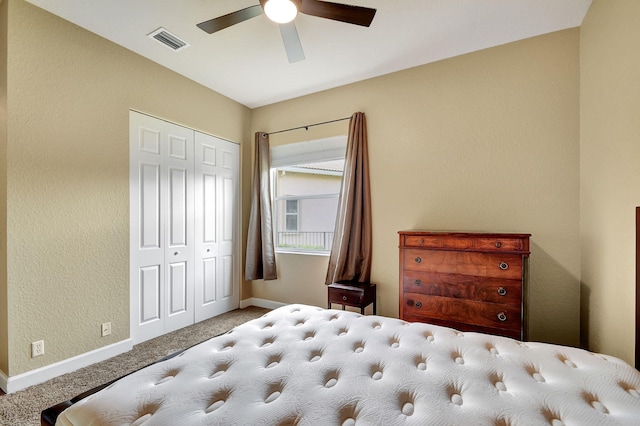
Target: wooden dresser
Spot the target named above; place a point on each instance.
(468, 281)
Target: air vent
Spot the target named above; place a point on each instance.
(170, 40)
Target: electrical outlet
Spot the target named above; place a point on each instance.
(37, 348)
(106, 329)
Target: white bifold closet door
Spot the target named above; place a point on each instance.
(184, 202)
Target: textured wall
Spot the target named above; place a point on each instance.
(487, 141)
(68, 177)
(610, 174)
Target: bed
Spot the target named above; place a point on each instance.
(303, 365)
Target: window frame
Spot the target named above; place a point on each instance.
(297, 153)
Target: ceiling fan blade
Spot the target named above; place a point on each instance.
(291, 41)
(356, 15)
(222, 22)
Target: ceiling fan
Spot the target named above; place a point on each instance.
(284, 11)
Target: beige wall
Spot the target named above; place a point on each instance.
(487, 141)
(610, 173)
(69, 93)
(4, 351)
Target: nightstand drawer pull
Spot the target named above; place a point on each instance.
(418, 304)
(502, 317)
(418, 259)
(344, 297)
(504, 266)
(502, 291)
(418, 282)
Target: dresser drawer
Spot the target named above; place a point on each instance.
(497, 243)
(464, 263)
(493, 315)
(495, 290)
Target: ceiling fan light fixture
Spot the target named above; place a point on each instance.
(280, 11)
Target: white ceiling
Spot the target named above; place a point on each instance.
(248, 63)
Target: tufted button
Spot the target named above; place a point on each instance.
(557, 422)
(273, 361)
(376, 372)
(538, 377)
(213, 407)
(599, 407)
(457, 358)
(501, 386)
(141, 420)
(219, 399)
(267, 342)
(394, 343)
(407, 409)
(343, 331)
(359, 347)
(633, 392)
(421, 363)
(219, 371)
(274, 392)
(309, 335)
(164, 380)
(315, 356)
(456, 398)
(331, 379)
(228, 346)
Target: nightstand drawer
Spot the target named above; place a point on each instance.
(346, 297)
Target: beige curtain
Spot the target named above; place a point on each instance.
(350, 258)
(261, 258)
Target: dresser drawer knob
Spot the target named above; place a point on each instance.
(418, 282)
(418, 304)
(421, 241)
(418, 259)
(498, 244)
(502, 317)
(502, 291)
(344, 297)
(504, 266)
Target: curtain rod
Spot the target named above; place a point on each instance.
(308, 125)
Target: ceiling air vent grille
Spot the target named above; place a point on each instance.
(170, 40)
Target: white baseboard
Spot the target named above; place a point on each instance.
(261, 303)
(22, 381)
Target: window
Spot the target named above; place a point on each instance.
(291, 212)
(306, 185)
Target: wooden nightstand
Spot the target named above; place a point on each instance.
(355, 294)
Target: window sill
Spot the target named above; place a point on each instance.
(302, 252)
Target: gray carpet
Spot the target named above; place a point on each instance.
(23, 408)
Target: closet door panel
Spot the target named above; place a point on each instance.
(179, 224)
(216, 180)
(161, 199)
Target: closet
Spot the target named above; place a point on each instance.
(184, 236)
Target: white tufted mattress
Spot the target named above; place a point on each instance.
(302, 365)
